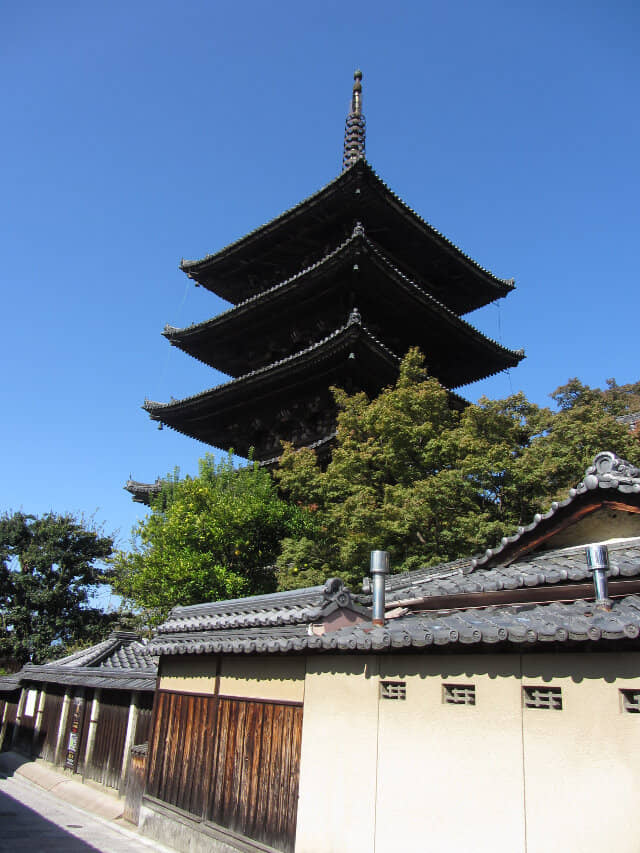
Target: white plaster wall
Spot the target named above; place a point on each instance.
(583, 763)
(378, 776)
(450, 776)
(336, 807)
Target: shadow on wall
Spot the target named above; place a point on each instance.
(578, 666)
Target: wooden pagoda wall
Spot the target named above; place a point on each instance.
(228, 761)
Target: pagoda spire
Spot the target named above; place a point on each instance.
(355, 127)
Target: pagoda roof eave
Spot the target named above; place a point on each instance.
(189, 338)
(352, 330)
(143, 493)
(203, 270)
(219, 416)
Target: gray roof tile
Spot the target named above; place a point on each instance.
(578, 621)
(121, 662)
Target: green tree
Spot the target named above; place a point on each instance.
(207, 538)
(430, 484)
(48, 567)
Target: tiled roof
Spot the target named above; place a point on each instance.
(608, 472)
(518, 625)
(122, 662)
(296, 607)
(565, 565)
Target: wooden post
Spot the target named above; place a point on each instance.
(93, 725)
(19, 712)
(62, 725)
(3, 726)
(37, 722)
(131, 731)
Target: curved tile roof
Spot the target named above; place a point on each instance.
(121, 662)
(608, 471)
(517, 625)
(191, 266)
(565, 565)
(295, 607)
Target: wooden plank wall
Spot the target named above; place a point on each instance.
(143, 724)
(11, 703)
(24, 738)
(48, 734)
(105, 765)
(234, 762)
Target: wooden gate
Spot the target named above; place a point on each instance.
(230, 761)
(256, 770)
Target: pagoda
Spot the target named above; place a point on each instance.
(332, 292)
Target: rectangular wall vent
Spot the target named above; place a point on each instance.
(459, 694)
(393, 689)
(630, 700)
(545, 698)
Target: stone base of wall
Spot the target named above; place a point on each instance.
(187, 834)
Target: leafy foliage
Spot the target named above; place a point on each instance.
(429, 484)
(209, 537)
(48, 565)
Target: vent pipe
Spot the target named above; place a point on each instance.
(379, 567)
(598, 564)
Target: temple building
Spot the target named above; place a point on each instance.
(331, 292)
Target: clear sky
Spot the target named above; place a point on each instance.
(138, 133)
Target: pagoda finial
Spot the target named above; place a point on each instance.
(355, 127)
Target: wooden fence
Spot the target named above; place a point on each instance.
(105, 764)
(230, 761)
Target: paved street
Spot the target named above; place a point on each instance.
(33, 819)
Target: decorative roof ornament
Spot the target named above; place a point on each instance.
(355, 127)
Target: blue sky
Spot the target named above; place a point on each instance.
(139, 133)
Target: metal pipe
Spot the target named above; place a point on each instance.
(598, 564)
(379, 567)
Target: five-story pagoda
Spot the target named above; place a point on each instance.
(331, 292)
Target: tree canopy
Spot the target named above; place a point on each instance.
(408, 474)
(209, 537)
(429, 484)
(48, 566)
